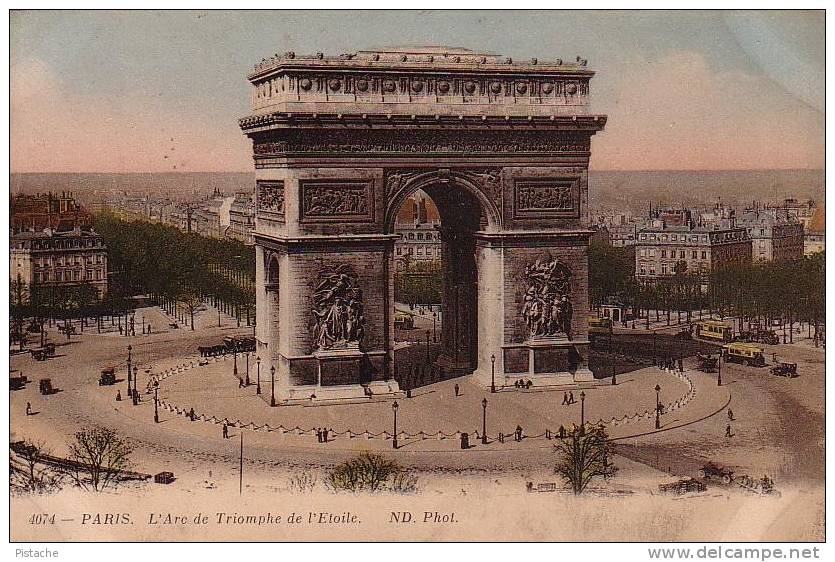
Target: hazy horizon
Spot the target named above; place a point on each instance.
(630, 189)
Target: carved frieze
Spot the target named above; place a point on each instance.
(313, 86)
(547, 197)
(413, 142)
(547, 308)
(337, 310)
(336, 200)
(270, 198)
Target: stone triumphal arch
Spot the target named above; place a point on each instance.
(501, 147)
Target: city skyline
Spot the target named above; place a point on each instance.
(674, 100)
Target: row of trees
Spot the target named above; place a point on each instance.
(789, 290)
(418, 282)
(177, 268)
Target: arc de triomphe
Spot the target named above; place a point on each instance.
(501, 147)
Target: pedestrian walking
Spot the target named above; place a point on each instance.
(728, 431)
(457, 389)
(319, 434)
(225, 431)
(325, 434)
(565, 399)
(562, 432)
(240, 383)
(28, 408)
(570, 397)
(118, 396)
(191, 414)
(518, 433)
(730, 414)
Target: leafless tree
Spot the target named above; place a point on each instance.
(302, 482)
(99, 456)
(29, 473)
(584, 454)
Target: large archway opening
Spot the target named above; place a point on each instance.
(436, 283)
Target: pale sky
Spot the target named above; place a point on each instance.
(120, 91)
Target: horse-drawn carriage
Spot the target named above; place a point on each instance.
(43, 353)
(707, 362)
(17, 380)
(45, 387)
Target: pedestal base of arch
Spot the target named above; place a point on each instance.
(343, 375)
(544, 362)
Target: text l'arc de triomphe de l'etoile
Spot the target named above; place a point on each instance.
(503, 149)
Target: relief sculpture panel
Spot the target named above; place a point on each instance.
(271, 197)
(547, 309)
(333, 201)
(548, 197)
(338, 310)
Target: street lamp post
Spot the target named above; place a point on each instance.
(582, 412)
(156, 402)
(484, 422)
(719, 378)
(218, 314)
(657, 406)
(272, 391)
(427, 348)
(493, 374)
(434, 322)
(394, 436)
(129, 357)
(235, 360)
(258, 374)
(612, 357)
(135, 391)
(247, 369)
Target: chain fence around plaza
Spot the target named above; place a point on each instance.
(513, 434)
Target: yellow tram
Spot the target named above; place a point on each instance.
(714, 330)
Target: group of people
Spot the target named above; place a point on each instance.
(670, 364)
(322, 434)
(568, 398)
(521, 383)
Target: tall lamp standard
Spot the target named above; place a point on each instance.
(258, 374)
(434, 322)
(394, 436)
(657, 406)
(493, 374)
(135, 391)
(427, 347)
(235, 359)
(247, 369)
(129, 357)
(719, 378)
(582, 413)
(484, 422)
(272, 391)
(612, 356)
(156, 401)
